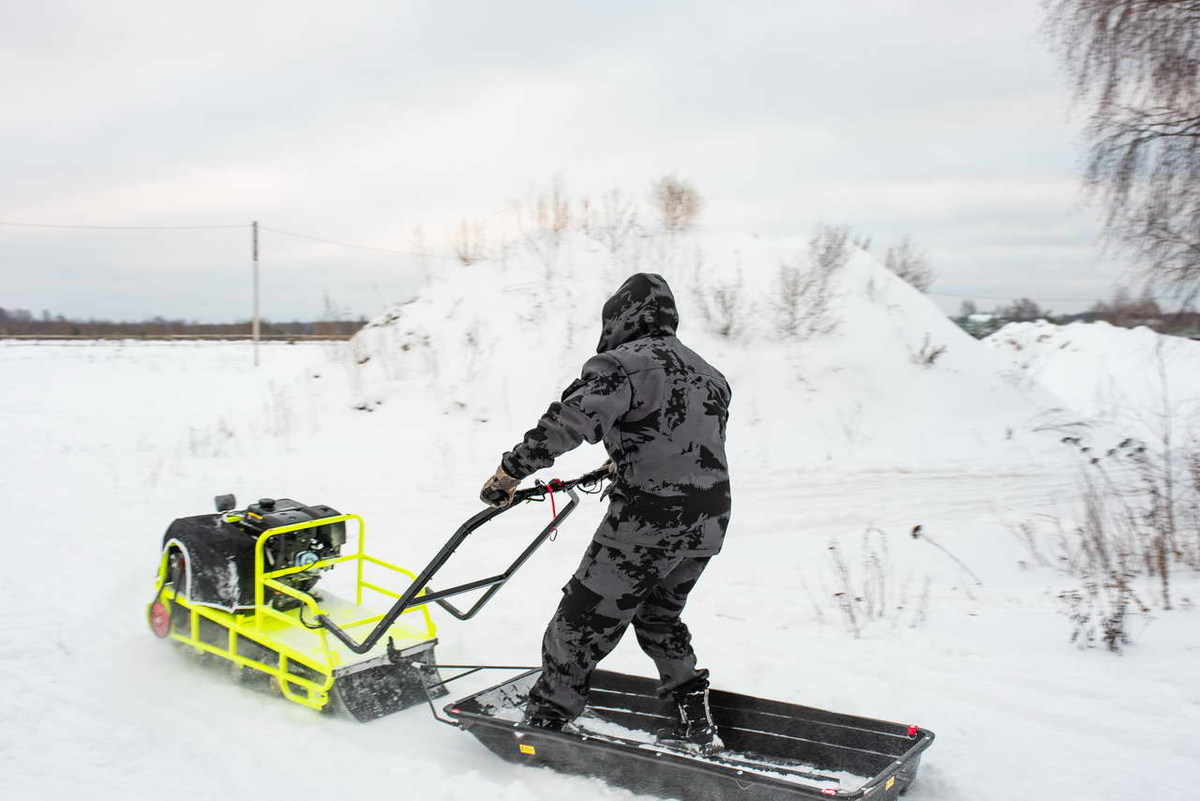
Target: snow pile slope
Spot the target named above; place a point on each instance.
(1130, 378)
(492, 343)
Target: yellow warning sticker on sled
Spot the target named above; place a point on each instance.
(527, 749)
(890, 782)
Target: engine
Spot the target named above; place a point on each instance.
(292, 549)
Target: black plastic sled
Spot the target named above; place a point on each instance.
(772, 750)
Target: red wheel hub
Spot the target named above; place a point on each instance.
(160, 619)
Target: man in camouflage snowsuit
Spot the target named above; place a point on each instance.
(661, 412)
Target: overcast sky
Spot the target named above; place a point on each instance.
(357, 121)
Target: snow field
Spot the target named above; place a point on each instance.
(845, 440)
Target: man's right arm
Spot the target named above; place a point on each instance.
(588, 409)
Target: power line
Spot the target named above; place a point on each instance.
(126, 227)
(213, 227)
(992, 297)
(352, 245)
(405, 252)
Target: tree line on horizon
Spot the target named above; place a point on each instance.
(22, 322)
(1123, 309)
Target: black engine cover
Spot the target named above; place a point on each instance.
(220, 555)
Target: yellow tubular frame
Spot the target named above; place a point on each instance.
(250, 624)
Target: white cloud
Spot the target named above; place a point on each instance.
(361, 120)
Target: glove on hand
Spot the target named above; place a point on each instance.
(499, 489)
(612, 474)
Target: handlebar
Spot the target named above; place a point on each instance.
(539, 490)
(413, 595)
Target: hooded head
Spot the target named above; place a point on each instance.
(642, 307)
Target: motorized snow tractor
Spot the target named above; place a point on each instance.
(242, 585)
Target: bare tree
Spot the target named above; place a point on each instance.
(1124, 310)
(1022, 311)
(677, 202)
(967, 308)
(911, 264)
(1135, 64)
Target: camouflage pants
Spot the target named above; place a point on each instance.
(612, 588)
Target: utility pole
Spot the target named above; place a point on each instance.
(254, 229)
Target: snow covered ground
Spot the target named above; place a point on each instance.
(105, 443)
(1134, 380)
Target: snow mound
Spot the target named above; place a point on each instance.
(485, 347)
(1129, 378)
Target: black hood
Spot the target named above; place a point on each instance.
(642, 307)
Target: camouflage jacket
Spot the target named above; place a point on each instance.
(661, 412)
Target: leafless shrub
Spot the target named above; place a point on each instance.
(277, 411)
(1137, 503)
(1193, 509)
(479, 350)
(1099, 612)
(554, 209)
(725, 309)
(420, 246)
(1139, 521)
(818, 612)
(677, 202)
(547, 214)
(616, 221)
(544, 219)
(829, 248)
(927, 354)
(1027, 534)
(876, 573)
(909, 263)
(921, 611)
(1105, 552)
(803, 298)
(868, 594)
(469, 243)
(845, 594)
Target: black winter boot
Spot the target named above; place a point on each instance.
(695, 730)
(543, 718)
